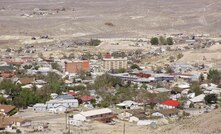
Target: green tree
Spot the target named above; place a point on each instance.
(163, 41)
(154, 41)
(27, 67)
(3, 100)
(170, 41)
(195, 87)
(135, 66)
(54, 82)
(211, 99)
(25, 98)
(10, 87)
(214, 75)
(108, 100)
(124, 93)
(106, 81)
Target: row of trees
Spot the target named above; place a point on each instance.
(161, 41)
(26, 97)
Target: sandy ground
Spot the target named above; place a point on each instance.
(57, 125)
(212, 55)
(207, 123)
(204, 124)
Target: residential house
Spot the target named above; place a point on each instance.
(25, 80)
(7, 109)
(169, 104)
(86, 99)
(164, 113)
(210, 88)
(5, 125)
(40, 107)
(197, 101)
(128, 105)
(61, 103)
(7, 71)
(104, 114)
(133, 115)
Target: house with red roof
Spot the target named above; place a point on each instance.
(72, 93)
(86, 99)
(169, 104)
(7, 74)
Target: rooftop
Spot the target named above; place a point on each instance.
(171, 103)
(96, 112)
(7, 108)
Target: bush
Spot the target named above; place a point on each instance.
(179, 56)
(163, 41)
(214, 75)
(94, 42)
(170, 41)
(211, 99)
(154, 41)
(135, 66)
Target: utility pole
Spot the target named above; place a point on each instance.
(69, 127)
(124, 128)
(124, 122)
(66, 120)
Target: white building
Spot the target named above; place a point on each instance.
(58, 105)
(90, 115)
(128, 104)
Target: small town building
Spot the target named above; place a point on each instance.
(77, 66)
(41, 107)
(169, 104)
(104, 114)
(166, 113)
(8, 109)
(111, 63)
(128, 104)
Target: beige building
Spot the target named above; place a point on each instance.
(114, 63)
